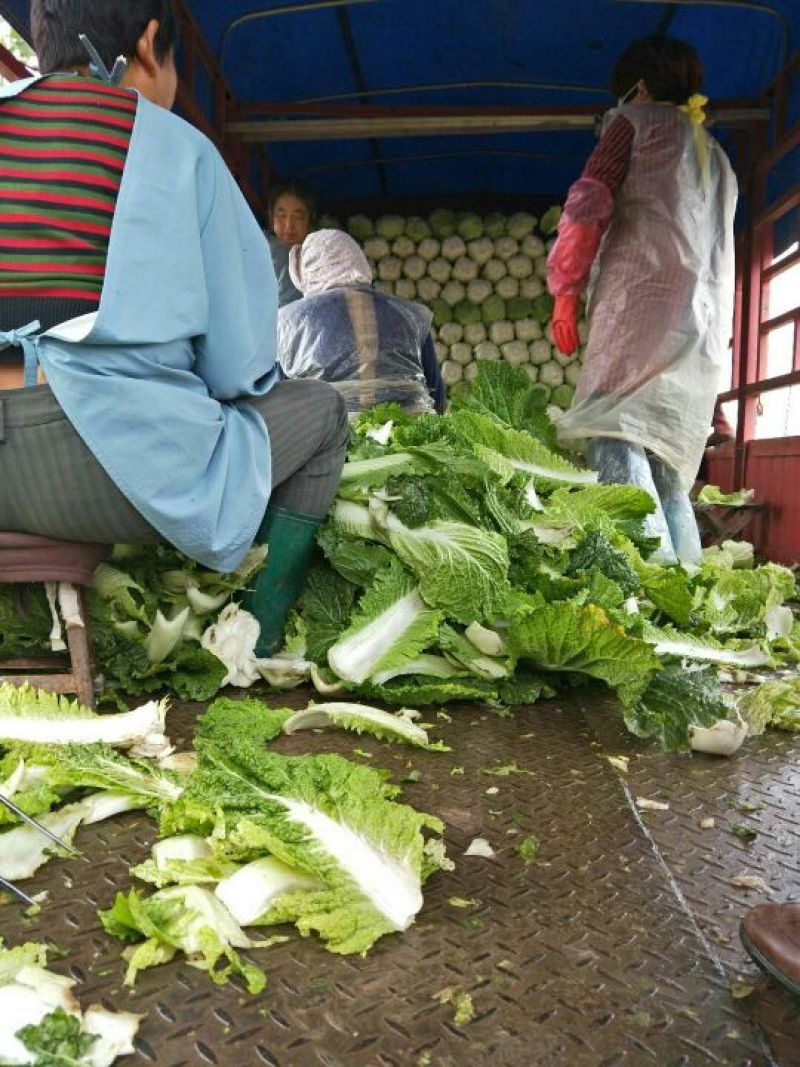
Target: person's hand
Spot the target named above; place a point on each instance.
(565, 324)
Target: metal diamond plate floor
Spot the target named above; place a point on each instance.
(616, 946)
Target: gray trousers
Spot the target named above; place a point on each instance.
(51, 484)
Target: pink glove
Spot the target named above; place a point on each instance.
(565, 323)
(587, 213)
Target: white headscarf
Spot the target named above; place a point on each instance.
(327, 259)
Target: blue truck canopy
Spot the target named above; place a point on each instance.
(479, 54)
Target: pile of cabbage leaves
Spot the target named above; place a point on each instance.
(466, 558)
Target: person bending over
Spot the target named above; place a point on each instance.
(373, 347)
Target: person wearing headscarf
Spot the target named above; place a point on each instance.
(373, 347)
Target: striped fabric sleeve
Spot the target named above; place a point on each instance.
(611, 158)
(63, 146)
(588, 210)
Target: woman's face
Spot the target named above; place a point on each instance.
(291, 221)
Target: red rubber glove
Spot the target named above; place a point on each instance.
(565, 323)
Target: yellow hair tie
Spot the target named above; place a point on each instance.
(695, 109)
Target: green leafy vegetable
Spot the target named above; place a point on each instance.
(332, 819)
(149, 608)
(528, 849)
(596, 553)
(729, 554)
(564, 637)
(675, 700)
(616, 508)
(461, 1001)
(775, 703)
(669, 642)
(228, 720)
(508, 394)
(739, 602)
(28, 714)
(468, 558)
(411, 500)
(669, 590)
(712, 494)
(526, 687)
(186, 918)
(391, 625)
(460, 568)
(423, 690)
(742, 830)
(44, 1025)
(57, 1041)
(362, 718)
(25, 621)
(462, 652)
(523, 452)
(250, 891)
(24, 849)
(505, 770)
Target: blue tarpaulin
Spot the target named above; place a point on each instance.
(481, 53)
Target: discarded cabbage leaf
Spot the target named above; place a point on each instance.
(386, 725)
(774, 703)
(327, 817)
(25, 849)
(189, 919)
(712, 494)
(43, 1023)
(28, 714)
(479, 846)
(250, 892)
(723, 738)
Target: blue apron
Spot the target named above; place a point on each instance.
(154, 381)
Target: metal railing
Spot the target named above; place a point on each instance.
(759, 269)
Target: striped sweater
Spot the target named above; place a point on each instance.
(63, 146)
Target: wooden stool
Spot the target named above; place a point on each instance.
(70, 566)
(725, 522)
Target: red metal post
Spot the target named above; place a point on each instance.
(750, 336)
(742, 267)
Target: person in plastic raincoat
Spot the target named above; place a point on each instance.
(373, 347)
(150, 308)
(292, 215)
(655, 205)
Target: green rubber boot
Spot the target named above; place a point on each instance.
(291, 537)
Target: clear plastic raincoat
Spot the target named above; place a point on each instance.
(365, 343)
(661, 297)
